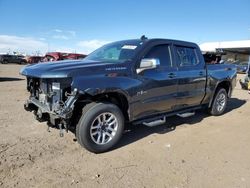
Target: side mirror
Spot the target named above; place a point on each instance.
(146, 64)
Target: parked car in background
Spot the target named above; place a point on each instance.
(241, 66)
(246, 81)
(57, 56)
(74, 56)
(34, 59)
(213, 57)
(20, 59)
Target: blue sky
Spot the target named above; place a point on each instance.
(83, 25)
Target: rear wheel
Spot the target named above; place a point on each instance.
(100, 127)
(219, 103)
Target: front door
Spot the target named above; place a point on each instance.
(157, 93)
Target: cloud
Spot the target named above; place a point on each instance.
(72, 33)
(30, 45)
(66, 50)
(42, 39)
(91, 45)
(64, 37)
(10, 43)
(58, 30)
(62, 34)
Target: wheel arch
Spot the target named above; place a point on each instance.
(116, 97)
(226, 84)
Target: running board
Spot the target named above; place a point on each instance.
(156, 117)
(187, 114)
(155, 123)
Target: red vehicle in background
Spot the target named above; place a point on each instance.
(53, 56)
(34, 59)
(57, 56)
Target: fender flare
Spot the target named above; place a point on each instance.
(215, 90)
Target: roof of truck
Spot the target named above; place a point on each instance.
(178, 42)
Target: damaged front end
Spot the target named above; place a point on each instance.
(51, 100)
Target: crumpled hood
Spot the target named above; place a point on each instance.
(61, 69)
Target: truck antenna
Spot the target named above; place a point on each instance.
(143, 37)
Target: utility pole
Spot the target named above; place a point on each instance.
(48, 47)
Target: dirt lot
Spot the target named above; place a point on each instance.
(199, 151)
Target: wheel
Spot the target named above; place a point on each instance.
(5, 61)
(100, 127)
(219, 103)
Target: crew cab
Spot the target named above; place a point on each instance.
(140, 81)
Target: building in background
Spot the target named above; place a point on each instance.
(235, 50)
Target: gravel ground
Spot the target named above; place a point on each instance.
(199, 151)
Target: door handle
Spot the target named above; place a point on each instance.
(201, 73)
(171, 75)
(228, 69)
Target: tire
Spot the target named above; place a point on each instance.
(100, 127)
(5, 61)
(219, 103)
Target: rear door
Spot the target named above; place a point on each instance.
(157, 93)
(191, 76)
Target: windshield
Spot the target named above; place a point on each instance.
(116, 52)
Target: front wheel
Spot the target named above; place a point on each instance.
(100, 127)
(219, 103)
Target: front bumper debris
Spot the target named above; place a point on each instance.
(62, 113)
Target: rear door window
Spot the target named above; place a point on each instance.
(186, 56)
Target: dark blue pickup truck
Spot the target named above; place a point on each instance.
(139, 81)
